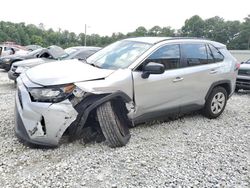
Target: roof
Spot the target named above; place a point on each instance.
(154, 40)
(150, 40)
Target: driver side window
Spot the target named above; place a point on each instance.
(168, 55)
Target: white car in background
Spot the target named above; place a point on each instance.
(6, 50)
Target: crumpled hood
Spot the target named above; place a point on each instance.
(64, 72)
(32, 62)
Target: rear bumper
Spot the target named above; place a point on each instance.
(243, 82)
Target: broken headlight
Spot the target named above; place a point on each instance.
(51, 94)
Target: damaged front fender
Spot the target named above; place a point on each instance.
(89, 104)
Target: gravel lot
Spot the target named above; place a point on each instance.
(191, 151)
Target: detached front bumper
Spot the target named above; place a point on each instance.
(41, 123)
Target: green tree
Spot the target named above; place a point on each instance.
(38, 40)
(193, 27)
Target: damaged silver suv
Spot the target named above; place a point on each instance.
(128, 82)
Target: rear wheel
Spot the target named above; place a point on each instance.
(113, 125)
(215, 103)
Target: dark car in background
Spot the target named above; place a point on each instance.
(243, 78)
(81, 52)
(7, 61)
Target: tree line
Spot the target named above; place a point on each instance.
(235, 34)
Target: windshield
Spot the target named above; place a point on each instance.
(69, 53)
(70, 50)
(118, 55)
(34, 52)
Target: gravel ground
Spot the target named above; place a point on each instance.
(191, 151)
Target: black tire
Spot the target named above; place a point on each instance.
(8, 68)
(113, 126)
(208, 110)
(236, 89)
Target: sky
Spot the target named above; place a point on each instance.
(104, 17)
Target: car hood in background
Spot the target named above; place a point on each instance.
(55, 51)
(14, 56)
(64, 72)
(32, 62)
(245, 66)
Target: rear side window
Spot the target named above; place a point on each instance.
(217, 56)
(168, 55)
(195, 54)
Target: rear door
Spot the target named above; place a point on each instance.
(200, 70)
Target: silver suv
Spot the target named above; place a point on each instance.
(128, 82)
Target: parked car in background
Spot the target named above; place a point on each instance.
(7, 61)
(51, 54)
(243, 78)
(80, 52)
(128, 82)
(6, 50)
(32, 47)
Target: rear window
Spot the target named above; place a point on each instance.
(217, 56)
(195, 54)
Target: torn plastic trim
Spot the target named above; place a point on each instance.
(90, 103)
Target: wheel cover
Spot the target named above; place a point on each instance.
(218, 102)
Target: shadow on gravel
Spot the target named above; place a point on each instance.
(8, 85)
(242, 92)
(177, 117)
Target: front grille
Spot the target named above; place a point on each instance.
(14, 68)
(20, 97)
(244, 72)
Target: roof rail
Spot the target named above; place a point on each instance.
(178, 38)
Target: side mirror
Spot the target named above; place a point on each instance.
(152, 68)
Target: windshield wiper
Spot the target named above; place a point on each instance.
(92, 64)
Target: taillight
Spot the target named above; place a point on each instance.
(237, 66)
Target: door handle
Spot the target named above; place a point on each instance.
(213, 71)
(178, 79)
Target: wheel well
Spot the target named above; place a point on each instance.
(225, 84)
(227, 87)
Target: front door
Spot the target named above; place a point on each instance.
(159, 93)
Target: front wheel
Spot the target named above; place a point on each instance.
(236, 89)
(113, 125)
(215, 103)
